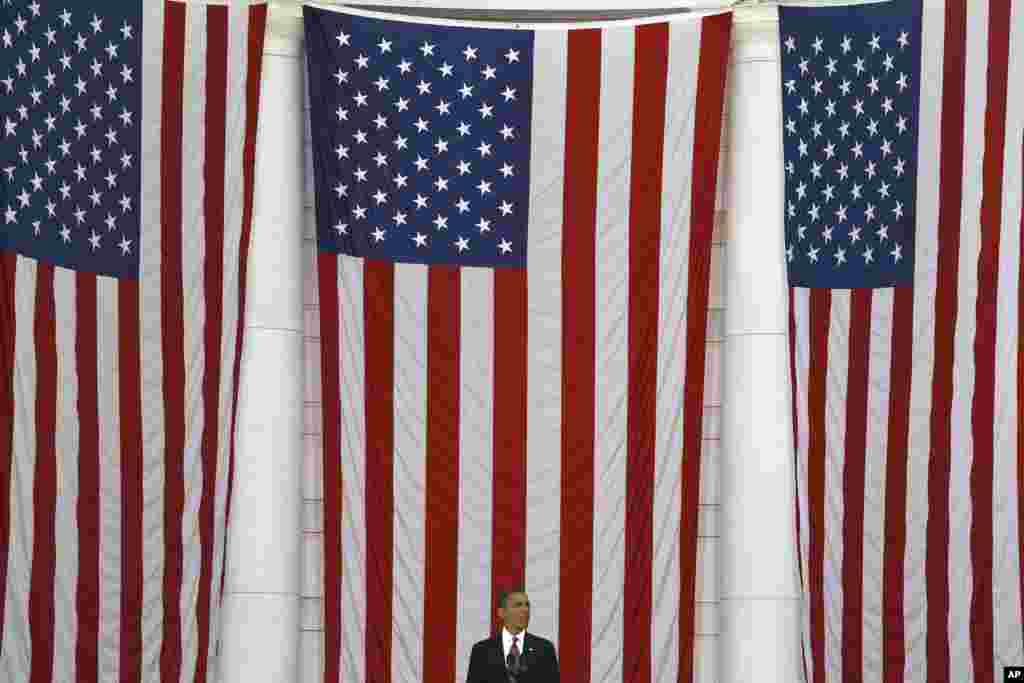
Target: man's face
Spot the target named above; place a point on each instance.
(515, 615)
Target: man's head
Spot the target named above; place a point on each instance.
(514, 610)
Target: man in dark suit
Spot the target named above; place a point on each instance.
(513, 655)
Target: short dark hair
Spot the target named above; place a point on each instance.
(503, 595)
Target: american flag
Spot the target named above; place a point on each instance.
(126, 169)
(514, 233)
(903, 239)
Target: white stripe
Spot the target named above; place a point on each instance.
(352, 389)
(476, 463)
(108, 393)
(544, 334)
(234, 134)
(409, 475)
(151, 363)
(680, 95)
(65, 623)
(1006, 560)
(193, 255)
(875, 460)
(801, 342)
(611, 292)
(835, 447)
(961, 441)
(915, 608)
(17, 638)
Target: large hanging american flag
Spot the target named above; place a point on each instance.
(514, 232)
(903, 238)
(126, 190)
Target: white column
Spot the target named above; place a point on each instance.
(759, 590)
(260, 626)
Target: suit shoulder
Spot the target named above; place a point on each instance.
(481, 644)
(540, 641)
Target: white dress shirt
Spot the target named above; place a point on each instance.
(506, 641)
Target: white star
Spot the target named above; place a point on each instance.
(816, 129)
(869, 255)
(65, 61)
(20, 23)
(65, 190)
(64, 233)
(817, 45)
(790, 126)
(97, 111)
(883, 190)
(380, 122)
(80, 129)
(845, 86)
(423, 87)
(869, 169)
(79, 172)
(854, 234)
(899, 167)
(341, 228)
(360, 137)
(875, 46)
(126, 31)
(830, 66)
(446, 70)
(904, 39)
(427, 49)
(484, 187)
(791, 86)
(855, 192)
(51, 208)
(873, 85)
(111, 92)
(901, 124)
(399, 218)
(801, 231)
(96, 155)
(857, 150)
(462, 205)
(9, 84)
(830, 108)
(420, 239)
(816, 88)
(402, 104)
(381, 83)
(441, 145)
(79, 214)
(11, 127)
(94, 240)
(470, 53)
(66, 17)
(80, 86)
(401, 142)
(801, 190)
(441, 184)
(404, 66)
(360, 98)
(803, 66)
(869, 213)
(111, 51)
(378, 234)
(886, 148)
(826, 234)
(341, 76)
(841, 213)
(858, 65)
(10, 215)
(464, 167)
(813, 254)
(858, 107)
(505, 246)
(486, 110)
(441, 222)
(887, 63)
(840, 256)
(359, 174)
(887, 105)
(463, 128)
(802, 147)
(34, 8)
(126, 117)
(126, 245)
(512, 56)
(111, 222)
(111, 136)
(883, 233)
(362, 62)
(384, 45)
(790, 43)
(95, 196)
(342, 114)
(9, 170)
(23, 198)
(126, 160)
(829, 193)
(466, 90)
(341, 190)
(80, 42)
(488, 72)
(484, 149)
(507, 170)
(380, 197)
(803, 106)
(505, 208)
(872, 128)
(843, 171)
(789, 252)
(7, 38)
(421, 163)
(509, 93)
(484, 225)
(443, 107)
(96, 23)
(421, 201)
(462, 243)
(343, 39)
(897, 253)
(898, 210)
(359, 212)
(421, 125)
(34, 52)
(814, 212)
(816, 169)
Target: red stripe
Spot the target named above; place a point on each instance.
(330, 362)
(894, 644)
(257, 25)
(939, 458)
(796, 462)
(821, 304)
(44, 483)
(87, 507)
(379, 317)
(172, 324)
(578, 345)
(650, 75)
(213, 283)
(442, 473)
(716, 32)
(8, 331)
(983, 401)
(855, 449)
(508, 527)
(130, 415)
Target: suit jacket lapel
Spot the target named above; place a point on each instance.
(497, 654)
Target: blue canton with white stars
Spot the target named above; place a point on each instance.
(421, 139)
(70, 81)
(850, 92)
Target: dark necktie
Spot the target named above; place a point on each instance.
(513, 657)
